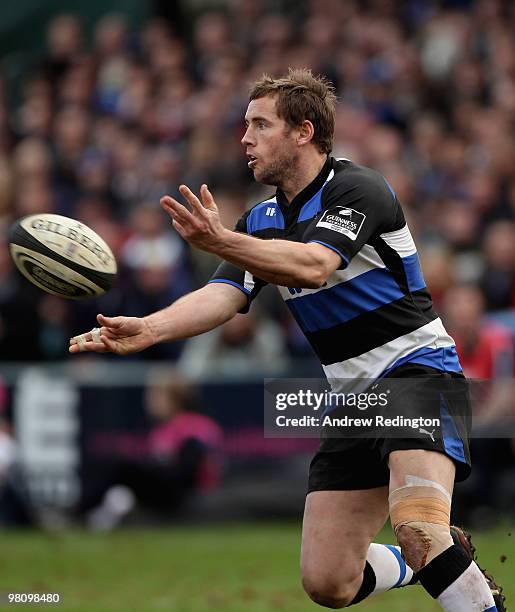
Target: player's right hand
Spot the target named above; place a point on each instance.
(120, 335)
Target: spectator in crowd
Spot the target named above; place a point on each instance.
(180, 456)
(19, 319)
(244, 346)
(159, 269)
(54, 327)
(15, 504)
(498, 278)
(485, 347)
(487, 354)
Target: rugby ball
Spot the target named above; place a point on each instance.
(62, 256)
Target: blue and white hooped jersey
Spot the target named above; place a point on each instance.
(374, 313)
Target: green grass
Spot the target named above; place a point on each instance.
(240, 568)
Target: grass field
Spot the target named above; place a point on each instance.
(240, 568)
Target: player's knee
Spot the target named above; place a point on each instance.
(328, 594)
(420, 518)
(331, 591)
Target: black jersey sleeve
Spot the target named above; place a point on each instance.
(228, 273)
(356, 206)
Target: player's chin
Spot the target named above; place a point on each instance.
(262, 176)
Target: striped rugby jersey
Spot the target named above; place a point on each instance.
(374, 313)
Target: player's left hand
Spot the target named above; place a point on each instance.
(201, 227)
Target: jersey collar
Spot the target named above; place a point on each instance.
(309, 191)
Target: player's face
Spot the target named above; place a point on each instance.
(269, 143)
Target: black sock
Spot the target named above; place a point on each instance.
(367, 586)
(443, 570)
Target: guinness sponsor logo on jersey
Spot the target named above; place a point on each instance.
(343, 220)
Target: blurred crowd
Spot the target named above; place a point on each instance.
(108, 123)
(111, 119)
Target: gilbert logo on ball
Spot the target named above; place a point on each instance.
(62, 256)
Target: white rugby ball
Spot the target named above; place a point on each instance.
(62, 256)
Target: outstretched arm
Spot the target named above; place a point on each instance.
(193, 314)
(281, 262)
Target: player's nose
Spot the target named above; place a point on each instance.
(247, 139)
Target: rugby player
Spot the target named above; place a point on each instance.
(334, 240)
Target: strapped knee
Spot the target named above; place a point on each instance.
(420, 516)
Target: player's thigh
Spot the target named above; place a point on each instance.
(429, 465)
(337, 530)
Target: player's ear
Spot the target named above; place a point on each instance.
(306, 132)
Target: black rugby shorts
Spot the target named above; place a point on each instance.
(351, 463)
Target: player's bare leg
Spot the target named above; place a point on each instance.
(337, 531)
(421, 484)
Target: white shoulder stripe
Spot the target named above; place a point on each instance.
(401, 241)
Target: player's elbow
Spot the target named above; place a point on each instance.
(315, 268)
(320, 271)
(314, 280)
(313, 277)
(303, 281)
(323, 262)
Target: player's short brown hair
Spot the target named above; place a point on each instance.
(299, 96)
